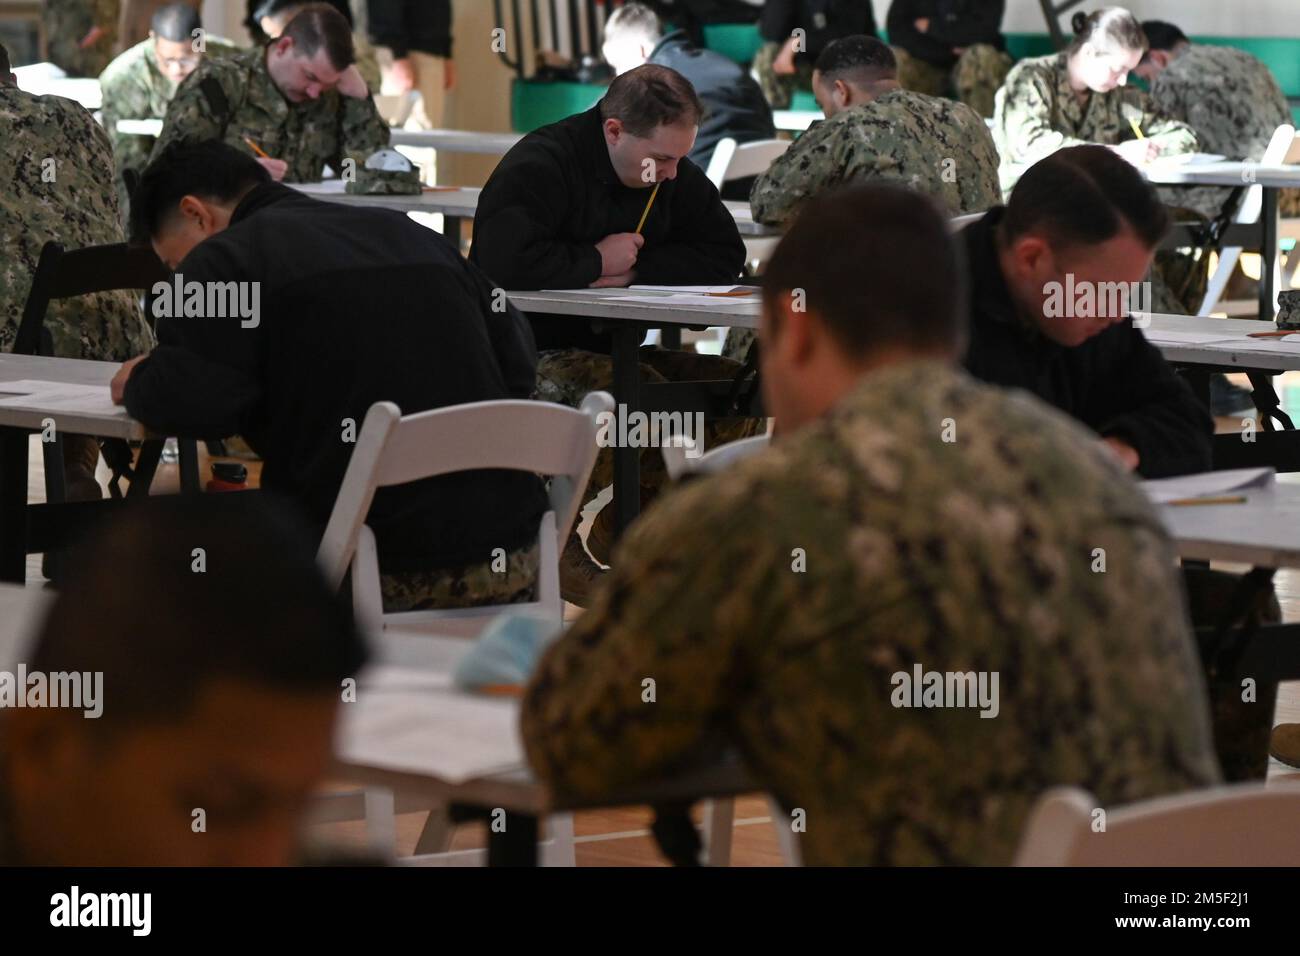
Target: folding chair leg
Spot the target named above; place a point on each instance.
(381, 820)
(560, 848)
(56, 487)
(189, 450)
(719, 820)
(1219, 281)
(437, 833)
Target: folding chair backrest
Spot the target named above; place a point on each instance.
(527, 436)
(731, 160)
(1274, 154)
(62, 274)
(677, 463)
(1240, 825)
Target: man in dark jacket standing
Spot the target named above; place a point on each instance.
(604, 199)
(290, 317)
(734, 103)
(413, 38)
(947, 47)
(1079, 226)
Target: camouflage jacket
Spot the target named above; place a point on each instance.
(56, 185)
(934, 145)
(1037, 113)
(776, 604)
(135, 89)
(69, 22)
(305, 135)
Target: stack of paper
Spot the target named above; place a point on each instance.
(1207, 485)
(59, 397)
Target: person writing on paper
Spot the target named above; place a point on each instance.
(1081, 95)
(600, 200)
(1052, 275)
(351, 305)
(905, 519)
(301, 99)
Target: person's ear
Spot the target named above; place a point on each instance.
(841, 94)
(1031, 254)
(283, 45)
(613, 130)
(195, 210)
(794, 341)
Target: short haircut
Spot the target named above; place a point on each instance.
(1084, 195)
(4, 61)
(1111, 28)
(135, 608)
(649, 97)
(210, 170)
(860, 60)
(634, 20)
(319, 25)
(877, 263)
(1162, 36)
(176, 22)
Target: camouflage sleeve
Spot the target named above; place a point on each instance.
(802, 171)
(190, 116)
(592, 723)
(1169, 134)
(1024, 119)
(362, 129)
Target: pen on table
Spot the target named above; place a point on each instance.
(255, 148)
(650, 202)
(1217, 500)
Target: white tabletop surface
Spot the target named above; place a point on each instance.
(1173, 335)
(46, 79)
(456, 140)
(1264, 531)
(1222, 174)
(96, 417)
(604, 304)
(795, 121)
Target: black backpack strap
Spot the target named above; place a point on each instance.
(216, 98)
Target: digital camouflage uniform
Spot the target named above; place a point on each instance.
(57, 171)
(512, 581)
(1037, 113)
(1235, 105)
(307, 135)
(936, 146)
(69, 22)
(135, 88)
(971, 556)
(780, 89)
(976, 78)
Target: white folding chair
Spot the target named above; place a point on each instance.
(538, 437)
(732, 160)
(720, 815)
(1248, 214)
(1239, 825)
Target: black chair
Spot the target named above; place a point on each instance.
(63, 274)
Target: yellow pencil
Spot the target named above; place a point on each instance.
(646, 214)
(1219, 500)
(1137, 130)
(255, 148)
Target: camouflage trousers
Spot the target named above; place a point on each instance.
(975, 79)
(566, 376)
(780, 88)
(69, 22)
(736, 345)
(511, 579)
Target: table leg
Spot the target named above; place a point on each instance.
(451, 229)
(627, 395)
(516, 845)
(13, 505)
(670, 337)
(1268, 255)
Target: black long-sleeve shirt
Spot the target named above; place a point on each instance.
(1117, 383)
(953, 23)
(406, 25)
(823, 21)
(356, 305)
(555, 195)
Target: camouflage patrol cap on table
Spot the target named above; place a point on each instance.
(1288, 310)
(385, 172)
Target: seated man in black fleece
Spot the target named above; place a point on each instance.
(561, 212)
(353, 305)
(1076, 223)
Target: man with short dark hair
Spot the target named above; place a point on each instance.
(907, 524)
(352, 305)
(564, 210)
(212, 715)
(1227, 96)
(1053, 276)
(734, 104)
(139, 84)
(300, 99)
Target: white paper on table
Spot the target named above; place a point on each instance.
(1188, 159)
(1179, 337)
(713, 302)
(1164, 490)
(693, 289)
(59, 397)
(448, 735)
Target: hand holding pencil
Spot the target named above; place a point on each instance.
(276, 167)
